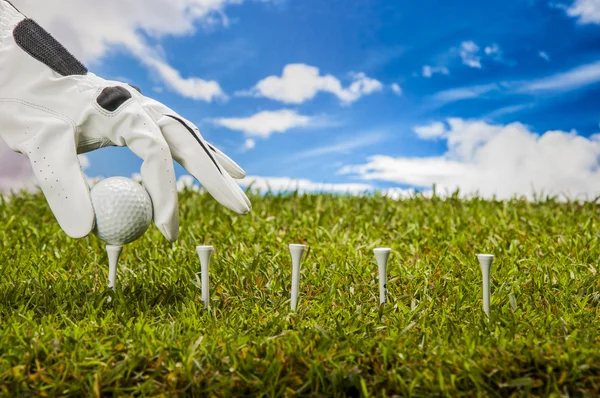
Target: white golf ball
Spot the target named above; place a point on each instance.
(123, 210)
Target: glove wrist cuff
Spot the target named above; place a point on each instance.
(9, 18)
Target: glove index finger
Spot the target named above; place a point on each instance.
(200, 159)
(159, 111)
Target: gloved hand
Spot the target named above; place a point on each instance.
(52, 109)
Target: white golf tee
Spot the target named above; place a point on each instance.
(297, 251)
(114, 252)
(204, 253)
(486, 260)
(382, 254)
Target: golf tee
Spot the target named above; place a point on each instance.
(113, 252)
(296, 251)
(486, 260)
(204, 253)
(382, 254)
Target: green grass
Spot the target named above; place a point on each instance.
(59, 336)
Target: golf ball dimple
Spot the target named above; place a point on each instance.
(123, 210)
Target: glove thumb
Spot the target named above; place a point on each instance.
(53, 156)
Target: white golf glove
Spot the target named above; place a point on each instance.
(52, 108)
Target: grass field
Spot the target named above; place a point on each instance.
(59, 336)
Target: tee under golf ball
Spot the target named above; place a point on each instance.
(123, 210)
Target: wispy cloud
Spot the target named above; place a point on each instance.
(360, 141)
(576, 78)
(379, 57)
(508, 110)
(573, 79)
(461, 93)
(429, 71)
(544, 55)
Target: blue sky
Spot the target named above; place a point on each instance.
(379, 93)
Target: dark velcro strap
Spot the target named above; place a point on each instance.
(111, 98)
(38, 43)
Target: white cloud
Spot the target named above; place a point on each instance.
(84, 161)
(189, 182)
(471, 55)
(544, 55)
(300, 83)
(262, 185)
(586, 11)
(287, 184)
(431, 131)
(396, 88)
(420, 172)
(580, 76)
(248, 145)
(429, 71)
(265, 123)
(91, 29)
(136, 177)
(468, 53)
(501, 160)
(192, 87)
(401, 193)
(494, 51)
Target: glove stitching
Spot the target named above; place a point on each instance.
(42, 108)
